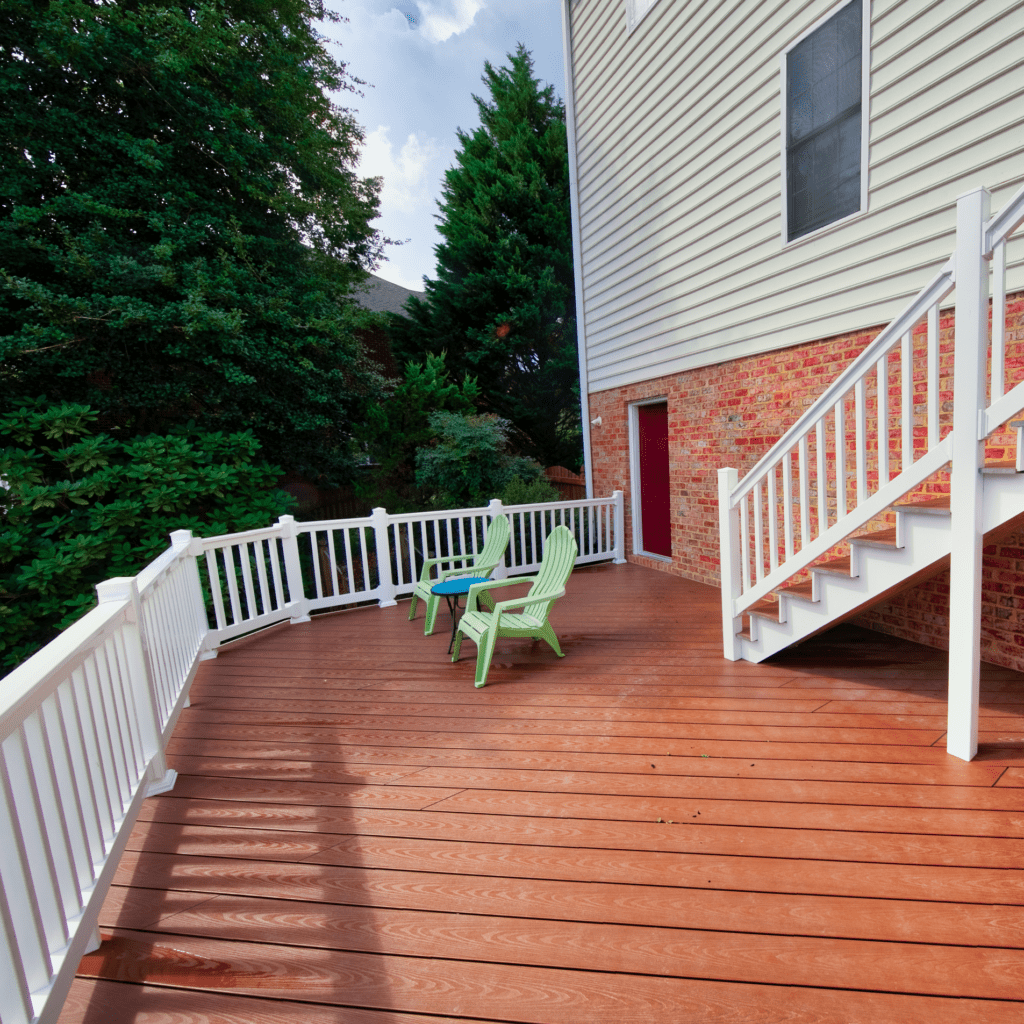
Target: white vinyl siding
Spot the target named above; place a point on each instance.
(680, 184)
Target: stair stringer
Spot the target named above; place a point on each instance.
(925, 542)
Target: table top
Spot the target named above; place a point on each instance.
(460, 585)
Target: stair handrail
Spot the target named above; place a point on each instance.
(742, 500)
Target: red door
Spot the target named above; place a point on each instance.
(655, 535)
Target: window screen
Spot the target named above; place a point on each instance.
(823, 112)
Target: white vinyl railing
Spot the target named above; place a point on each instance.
(84, 722)
(879, 430)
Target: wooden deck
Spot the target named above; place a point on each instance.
(641, 832)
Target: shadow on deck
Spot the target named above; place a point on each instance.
(640, 832)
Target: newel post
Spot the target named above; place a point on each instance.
(620, 528)
(297, 603)
(386, 581)
(967, 484)
(729, 547)
(496, 508)
(143, 681)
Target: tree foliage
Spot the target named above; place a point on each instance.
(399, 424)
(180, 221)
(470, 461)
(503, 303)
(80, 507)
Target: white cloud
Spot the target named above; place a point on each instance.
(438, 25)
(409, 178)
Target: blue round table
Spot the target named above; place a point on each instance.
(451, 591)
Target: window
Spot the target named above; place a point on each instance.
(824, 85)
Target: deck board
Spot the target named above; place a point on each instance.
(358, 835)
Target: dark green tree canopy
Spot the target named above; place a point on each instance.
(180, 221)
(503, 304)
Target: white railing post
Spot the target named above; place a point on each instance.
(966, 483)
(298, 603)
(620, 528)
(729, 546)
(386, 581)
(496, 508)
(143, 680)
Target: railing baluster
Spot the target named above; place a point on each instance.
(758, 533)
(347, 534)
(231, 575)
(840, 413)
(250, 593)
(261, 576)
(882, 409)
(773, 520)
(805, 492)
(933, 376)
(907, 400)
(314, 552)
(332, 562)
(787, 501)
(860, 440)
(366, 559)
(819, 458)
(216, 591)
(998, 386)
(275, 564)
(745, 543)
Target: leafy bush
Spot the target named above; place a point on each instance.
(469, 462)
(519, 492)
(78, 507)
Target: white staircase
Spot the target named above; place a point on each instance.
(833, 518)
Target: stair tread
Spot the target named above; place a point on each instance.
(940, 503)
(804, 590)
(1000, 466)
(881, 538)
(839, 566)
(767, 608)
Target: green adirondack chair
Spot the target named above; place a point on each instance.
(481, 564)
(484, 628)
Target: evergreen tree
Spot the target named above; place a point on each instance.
(503, 304)
(180, 222)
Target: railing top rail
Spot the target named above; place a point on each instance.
(152, 572)
(1005, 222)
(934, 292)
(223, 539)
(27, 686)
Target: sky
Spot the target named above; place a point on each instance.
(422, 61)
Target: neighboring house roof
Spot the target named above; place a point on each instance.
(382, 296)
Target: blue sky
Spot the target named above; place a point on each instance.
(422, 61)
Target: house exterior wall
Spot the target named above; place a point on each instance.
(731, 413)
(678, 155)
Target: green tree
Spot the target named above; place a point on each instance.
(470, 461)
(503, 303)
(399, 424)
(79, 507)
(180, 221)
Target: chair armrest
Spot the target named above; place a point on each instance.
(477, 588)
(524, 602)
(429, 562)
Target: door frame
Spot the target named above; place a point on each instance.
(634, 476)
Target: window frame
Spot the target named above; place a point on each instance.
(865, 121)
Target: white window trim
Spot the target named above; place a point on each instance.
(634, 476)
(636, 10)
(865, 122)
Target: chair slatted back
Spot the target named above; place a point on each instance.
(560, 552)
(498, 533)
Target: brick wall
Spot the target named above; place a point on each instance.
(731, 414)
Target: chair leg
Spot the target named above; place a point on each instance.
(457, 646)
(412, 607)
(547, 634)
(484, 653)
(431, 616)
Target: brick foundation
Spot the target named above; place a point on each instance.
(731, 414)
